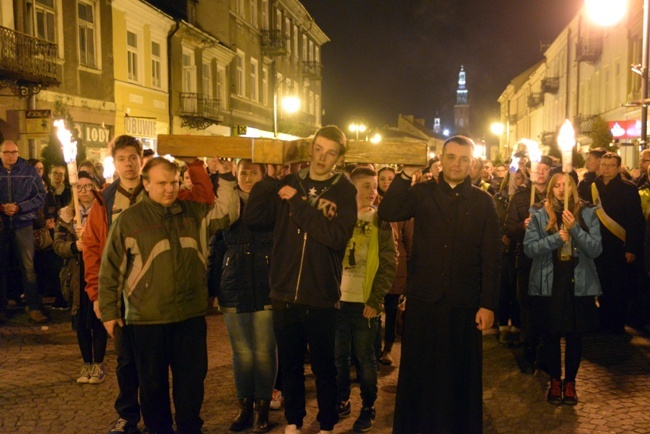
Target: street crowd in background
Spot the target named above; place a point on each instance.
(306, 261)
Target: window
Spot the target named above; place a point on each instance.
(278, 20)
(305, 46)
(240, 8)
(156, 65)
(253, 11)
(287, 35)
(221, 85)
(45, 28)
(189, 72)
(206, 80)
(255, 87)
(316, 54)
(311, 51)
(265, 14)
(132, 55)
(295, 42)
(318, 110)
(87, 55)
(239, 76)
(265, 86)
(311, 103)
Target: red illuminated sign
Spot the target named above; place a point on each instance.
(627, 129)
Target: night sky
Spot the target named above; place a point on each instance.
(388, 57)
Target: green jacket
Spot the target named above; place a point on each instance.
(155, 257)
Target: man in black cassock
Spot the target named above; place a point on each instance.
(453, 291)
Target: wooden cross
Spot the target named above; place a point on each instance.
(275, 151)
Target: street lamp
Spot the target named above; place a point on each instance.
(358, 128)
(290, 102)
(609, 12)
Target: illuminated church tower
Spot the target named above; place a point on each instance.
(461, 109)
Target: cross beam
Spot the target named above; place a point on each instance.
(274, 151)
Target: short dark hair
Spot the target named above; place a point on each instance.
(334, 133)
(360, 172)
(125, 141)
(614, 156)
(249, 161)
(148, 153)
(460, 140)
(597, 152)
(159, 161)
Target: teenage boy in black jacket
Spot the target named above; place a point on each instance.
(313, 213)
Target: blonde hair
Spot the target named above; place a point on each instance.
(552, 219)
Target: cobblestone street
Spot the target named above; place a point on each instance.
(38, 366)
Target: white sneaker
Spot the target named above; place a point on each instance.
(97, 374)
(276, 400)
(292, 429)
(84, 377)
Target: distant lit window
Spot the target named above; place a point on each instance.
(87, 32)
(254, 81)
(156, 65)
(241, 87)
(132, 56)
(45, 28)
(221, 86)
(206, 80)
(265, 86)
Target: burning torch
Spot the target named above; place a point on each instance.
(70, 157)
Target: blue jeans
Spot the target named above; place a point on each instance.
(254, 356)
(353, 330)
(23, 242)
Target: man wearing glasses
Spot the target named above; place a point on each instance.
(21, 195)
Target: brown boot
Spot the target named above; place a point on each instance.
(261, 423)
(36, 315)
(244, 418)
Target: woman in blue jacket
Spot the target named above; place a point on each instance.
(239, 275)
(564, 292)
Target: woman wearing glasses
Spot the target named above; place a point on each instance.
(68, 243)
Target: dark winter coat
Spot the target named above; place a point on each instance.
(24, 186)
(308, 241)
(239, 268)
(515, 227)
(454, 256)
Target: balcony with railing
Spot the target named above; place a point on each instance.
(27, 64)
(583, 123)
(274, 43)
(588, 49)
(535, 99)
(551, 85)
(312, 70)
(198, 111)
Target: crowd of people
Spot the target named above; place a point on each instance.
(305, 260)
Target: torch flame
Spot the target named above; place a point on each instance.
(65, 137)
(534, 152)
(566, 140)
(514, 164)
(109, 167)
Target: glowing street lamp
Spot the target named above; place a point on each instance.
(606, 12)
(358, 128)
(497, 128)
(376, 138)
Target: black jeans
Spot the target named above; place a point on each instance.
(294, 326)
(553, 354)
(183, 347)
(126, 404)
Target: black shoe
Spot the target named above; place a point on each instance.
(365, 420)
(261, 419)
(244, 418)
(344, 409)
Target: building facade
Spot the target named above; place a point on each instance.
(585, 74)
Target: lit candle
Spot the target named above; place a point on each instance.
(70, 157)
(566, 141)
(514, 165)
(535, 155)
(109, 169)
